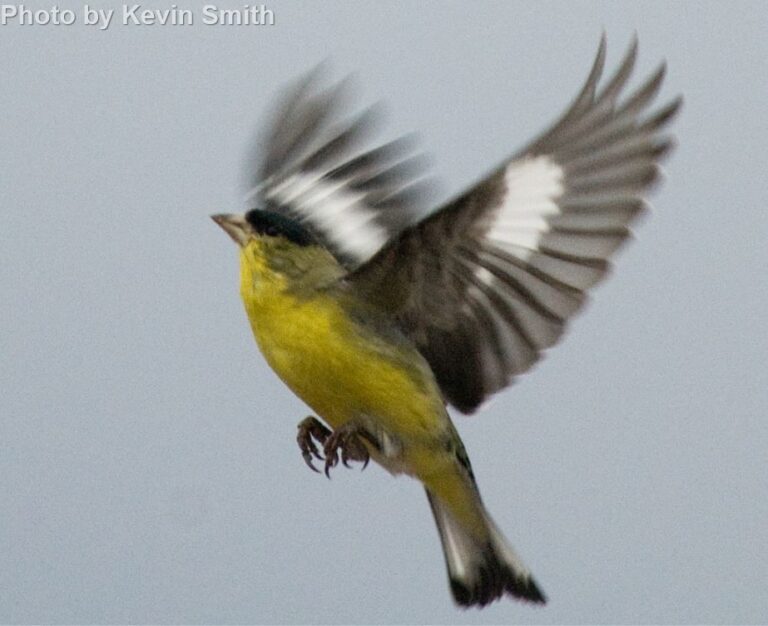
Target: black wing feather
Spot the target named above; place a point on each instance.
(484, 285)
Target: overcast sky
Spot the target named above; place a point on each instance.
(148, 468)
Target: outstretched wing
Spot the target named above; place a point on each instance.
(312, 170)
(490, 280)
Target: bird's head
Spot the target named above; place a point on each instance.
(276, 246)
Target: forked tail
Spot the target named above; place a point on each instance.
(481, 571)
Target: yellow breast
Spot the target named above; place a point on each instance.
(341, 369)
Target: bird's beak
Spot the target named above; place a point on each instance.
(234, 225)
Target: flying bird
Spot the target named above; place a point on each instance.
(378, 317)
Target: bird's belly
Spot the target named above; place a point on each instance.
(343, 374)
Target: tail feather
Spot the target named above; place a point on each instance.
(480, 572)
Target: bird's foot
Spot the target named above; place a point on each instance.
(312, 429)
(346, 442)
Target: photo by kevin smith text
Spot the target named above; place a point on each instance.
(137, 15)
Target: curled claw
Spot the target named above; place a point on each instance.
(307, 455)
(330, 461)
(347, 440)
(311, 429)
(354, 450)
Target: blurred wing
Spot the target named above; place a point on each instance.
(312, 170)
(490, 280)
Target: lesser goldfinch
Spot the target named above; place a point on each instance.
(378, 318)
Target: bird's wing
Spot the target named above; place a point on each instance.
(489, 281)
(310, 167)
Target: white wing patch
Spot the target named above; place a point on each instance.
(532, 186)
(332, 207)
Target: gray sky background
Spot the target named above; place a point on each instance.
(148, 469)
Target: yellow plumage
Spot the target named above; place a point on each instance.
(344, 371)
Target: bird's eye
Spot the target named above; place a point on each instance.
(271, 231)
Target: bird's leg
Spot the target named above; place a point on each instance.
(347, 440)
(311, 429)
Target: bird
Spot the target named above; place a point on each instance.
(380, 316)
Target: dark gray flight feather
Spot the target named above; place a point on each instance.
(312, 169)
